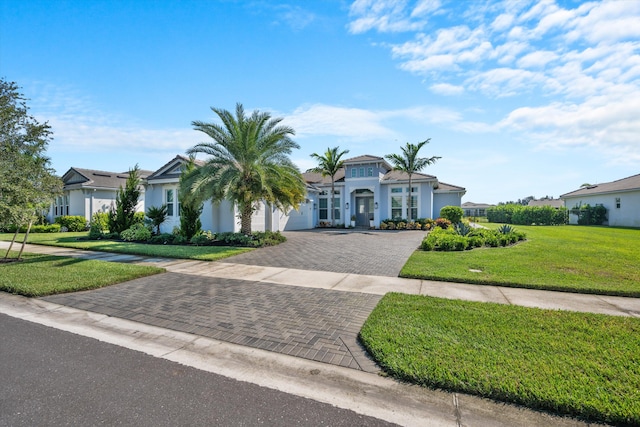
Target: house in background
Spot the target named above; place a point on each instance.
(475, 209)
(621, 198)
(88, 191)
(554, 203)
(366, 188)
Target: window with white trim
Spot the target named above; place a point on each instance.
(402, 201)
(172, 202)
(323, 206)
(61, 205)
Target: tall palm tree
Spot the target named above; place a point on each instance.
(328, 165)
(248, 163)
(410, 163)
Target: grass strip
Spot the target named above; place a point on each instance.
(76, 241)
(600, 260)
(39, 275)
(578, 364)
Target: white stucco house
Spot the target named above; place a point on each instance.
(621, 198)
(366, 187)
(87, 191)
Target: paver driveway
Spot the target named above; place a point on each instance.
(314, 324)
(372, 252)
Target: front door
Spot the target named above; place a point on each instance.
(364, 211)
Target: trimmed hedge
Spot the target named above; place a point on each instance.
(73, 223)
(527, 215)
(449, 239)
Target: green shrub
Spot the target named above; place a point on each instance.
(136, 233)
(268, 238)
(452, 213)
(427, 244)
(590, 215)
(51, 228)
(72, 223)
(476, 241)
(203, 239)
(99, 225)
(162, 239)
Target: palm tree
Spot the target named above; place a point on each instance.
(410, 163)
(328, 165)
(249, 162)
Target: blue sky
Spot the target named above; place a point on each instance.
(520, 98)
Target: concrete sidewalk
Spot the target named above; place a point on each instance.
(377, 285)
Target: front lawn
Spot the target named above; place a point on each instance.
(582, 259)
(40, 275)
(76, 240)
(578, 364)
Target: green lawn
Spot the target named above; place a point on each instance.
(598, 260)
(584, 365)
(39, 275)
(75, 240)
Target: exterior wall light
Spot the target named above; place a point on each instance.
(346, 205)
(375, 205)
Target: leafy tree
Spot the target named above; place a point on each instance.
(409, 163)
(328, 165)
(27, 182)
(249, 162)
(190, 207)
(122, 217)
(157, 215)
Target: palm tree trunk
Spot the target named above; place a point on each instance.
(409, 202)
(245, 220)
(333, 221)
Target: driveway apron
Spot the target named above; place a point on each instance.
(372, 252)
(315, 324)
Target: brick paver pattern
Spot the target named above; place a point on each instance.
(371, 252)
(316, 324)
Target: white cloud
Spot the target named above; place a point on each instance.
(295, 17)
(571, 73)
(390, 16)
(538, 59)
(446, 89)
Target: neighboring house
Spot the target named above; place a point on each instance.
(367, 188)
(554, 203)
(621, 198)
(88, 191)
(475, 209)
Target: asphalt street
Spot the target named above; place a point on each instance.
(51, 377)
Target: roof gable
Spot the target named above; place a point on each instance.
(90, 178)
(172, 169)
